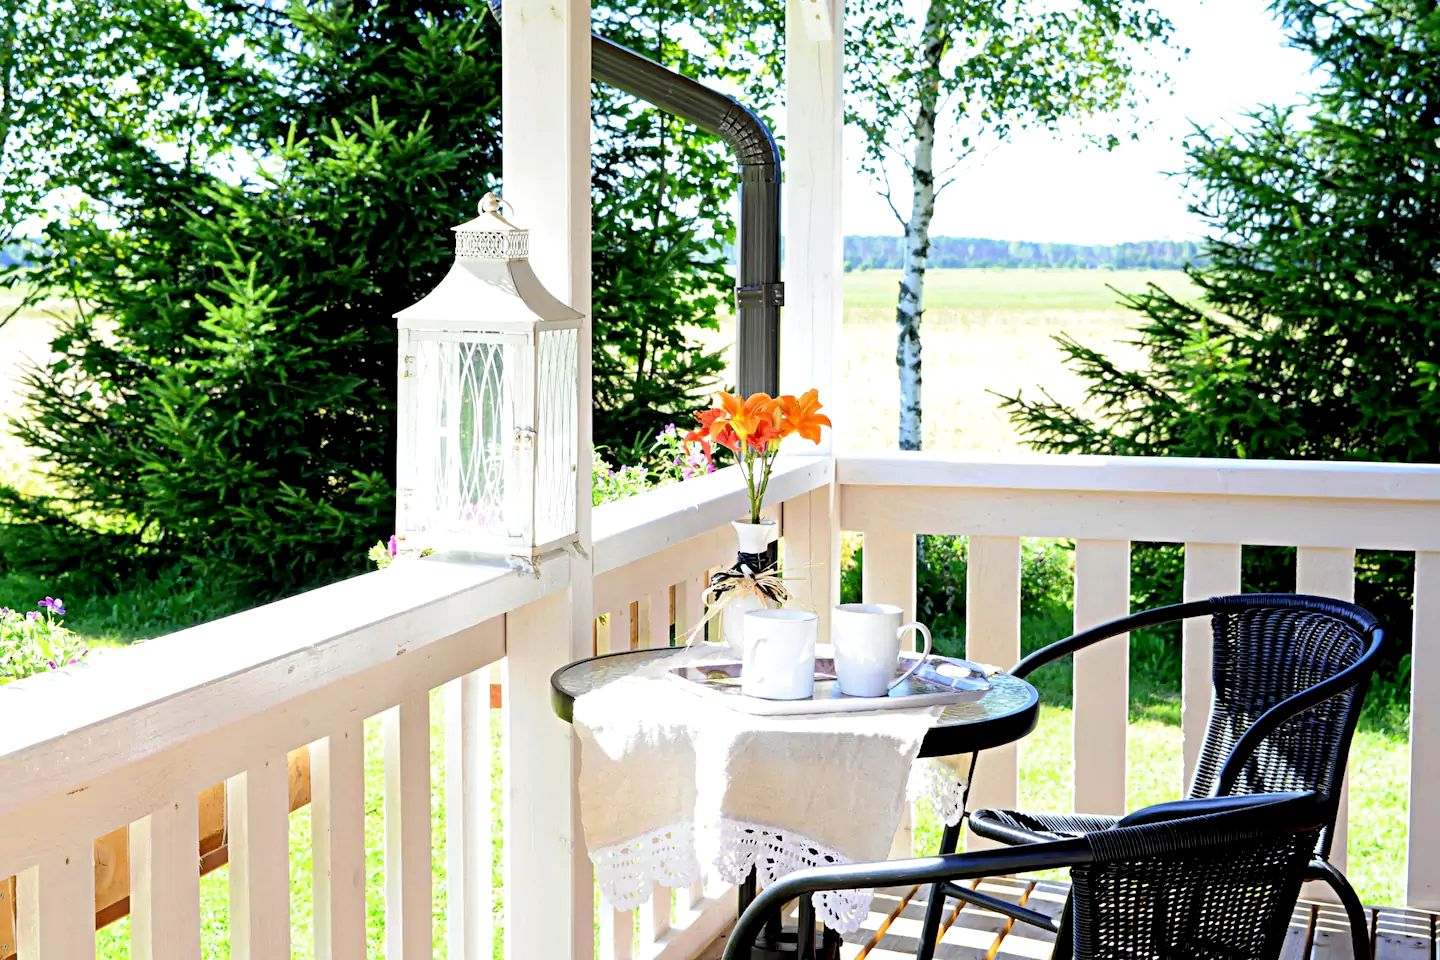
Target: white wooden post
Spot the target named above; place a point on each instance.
(814, 154)
(1102, 677)
(165, 883)
(337, 819)
(1329, 572)
(992, 635)
(1211, 570)
(409, 908)
(545, 122)
(548, 881)
(257, 808)
(1422, 889)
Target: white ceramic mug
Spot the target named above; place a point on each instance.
(779, 662)
(866, 637)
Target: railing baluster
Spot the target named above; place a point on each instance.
(55, 904)
(1102, 677)
(812, 551)
(887, 575)
(1330, 572)
(337, 818)
(689, 611)
(165, 883)
(1211, 569)
(654, 633)
(408, 908)
(257, 809)
(622, 633)
(992, 631)
(468, 812)
(1422, 888)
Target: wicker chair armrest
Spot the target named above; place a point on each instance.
(1104, 631)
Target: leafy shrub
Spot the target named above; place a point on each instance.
(36, 641)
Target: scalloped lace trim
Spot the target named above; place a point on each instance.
(628, 871)
(775, 853)
(936, 782)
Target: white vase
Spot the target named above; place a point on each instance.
(753, 539)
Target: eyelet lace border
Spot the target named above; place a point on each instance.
(628, 872)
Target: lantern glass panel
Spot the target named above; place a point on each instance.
(558, 401)
(466, 409)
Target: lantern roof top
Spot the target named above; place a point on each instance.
(490, 274)
(490, 236)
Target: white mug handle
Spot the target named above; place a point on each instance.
(924, 632)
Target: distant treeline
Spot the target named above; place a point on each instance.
(873, 253)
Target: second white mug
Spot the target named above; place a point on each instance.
(866, 638)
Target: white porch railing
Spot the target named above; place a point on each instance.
(1214, 508)
(132, 740)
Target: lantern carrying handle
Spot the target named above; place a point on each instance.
(492, 203)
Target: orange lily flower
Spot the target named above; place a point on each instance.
(802, 415)
(745, 416)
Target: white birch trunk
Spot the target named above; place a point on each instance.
(917, 234)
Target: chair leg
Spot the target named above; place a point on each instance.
(1064, 937)
(1354, 909)
(935, 908)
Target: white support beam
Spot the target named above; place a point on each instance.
(545, 124)
(548, 880)
(814, 154)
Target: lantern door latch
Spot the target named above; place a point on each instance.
(407, 367)
(524, 438)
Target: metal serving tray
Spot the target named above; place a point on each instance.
(938, 681)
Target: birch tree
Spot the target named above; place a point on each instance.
(932, 84)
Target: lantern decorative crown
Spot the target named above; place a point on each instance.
(488, 403)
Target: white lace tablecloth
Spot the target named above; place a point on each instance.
(675, 787)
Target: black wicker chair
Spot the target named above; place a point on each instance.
(1290, 674)
(1189, 880)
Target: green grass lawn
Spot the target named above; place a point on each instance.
(984, 330)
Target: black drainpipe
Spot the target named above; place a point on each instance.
(759, 294)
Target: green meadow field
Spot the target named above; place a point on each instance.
(983, 332)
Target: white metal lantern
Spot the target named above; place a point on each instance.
(488, 403)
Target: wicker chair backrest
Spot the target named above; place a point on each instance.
(1265, 652)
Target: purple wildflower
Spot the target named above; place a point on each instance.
(32, 616)
(394, 546)
(53, 664)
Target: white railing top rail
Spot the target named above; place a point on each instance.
(629, 529)
(1169, 475)
(62, 730)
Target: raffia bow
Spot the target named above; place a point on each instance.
(747, 578)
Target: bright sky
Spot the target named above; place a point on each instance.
(1046, 188)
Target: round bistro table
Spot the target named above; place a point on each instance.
(1003, 714)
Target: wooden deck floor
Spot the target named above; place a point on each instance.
(1317, 932)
